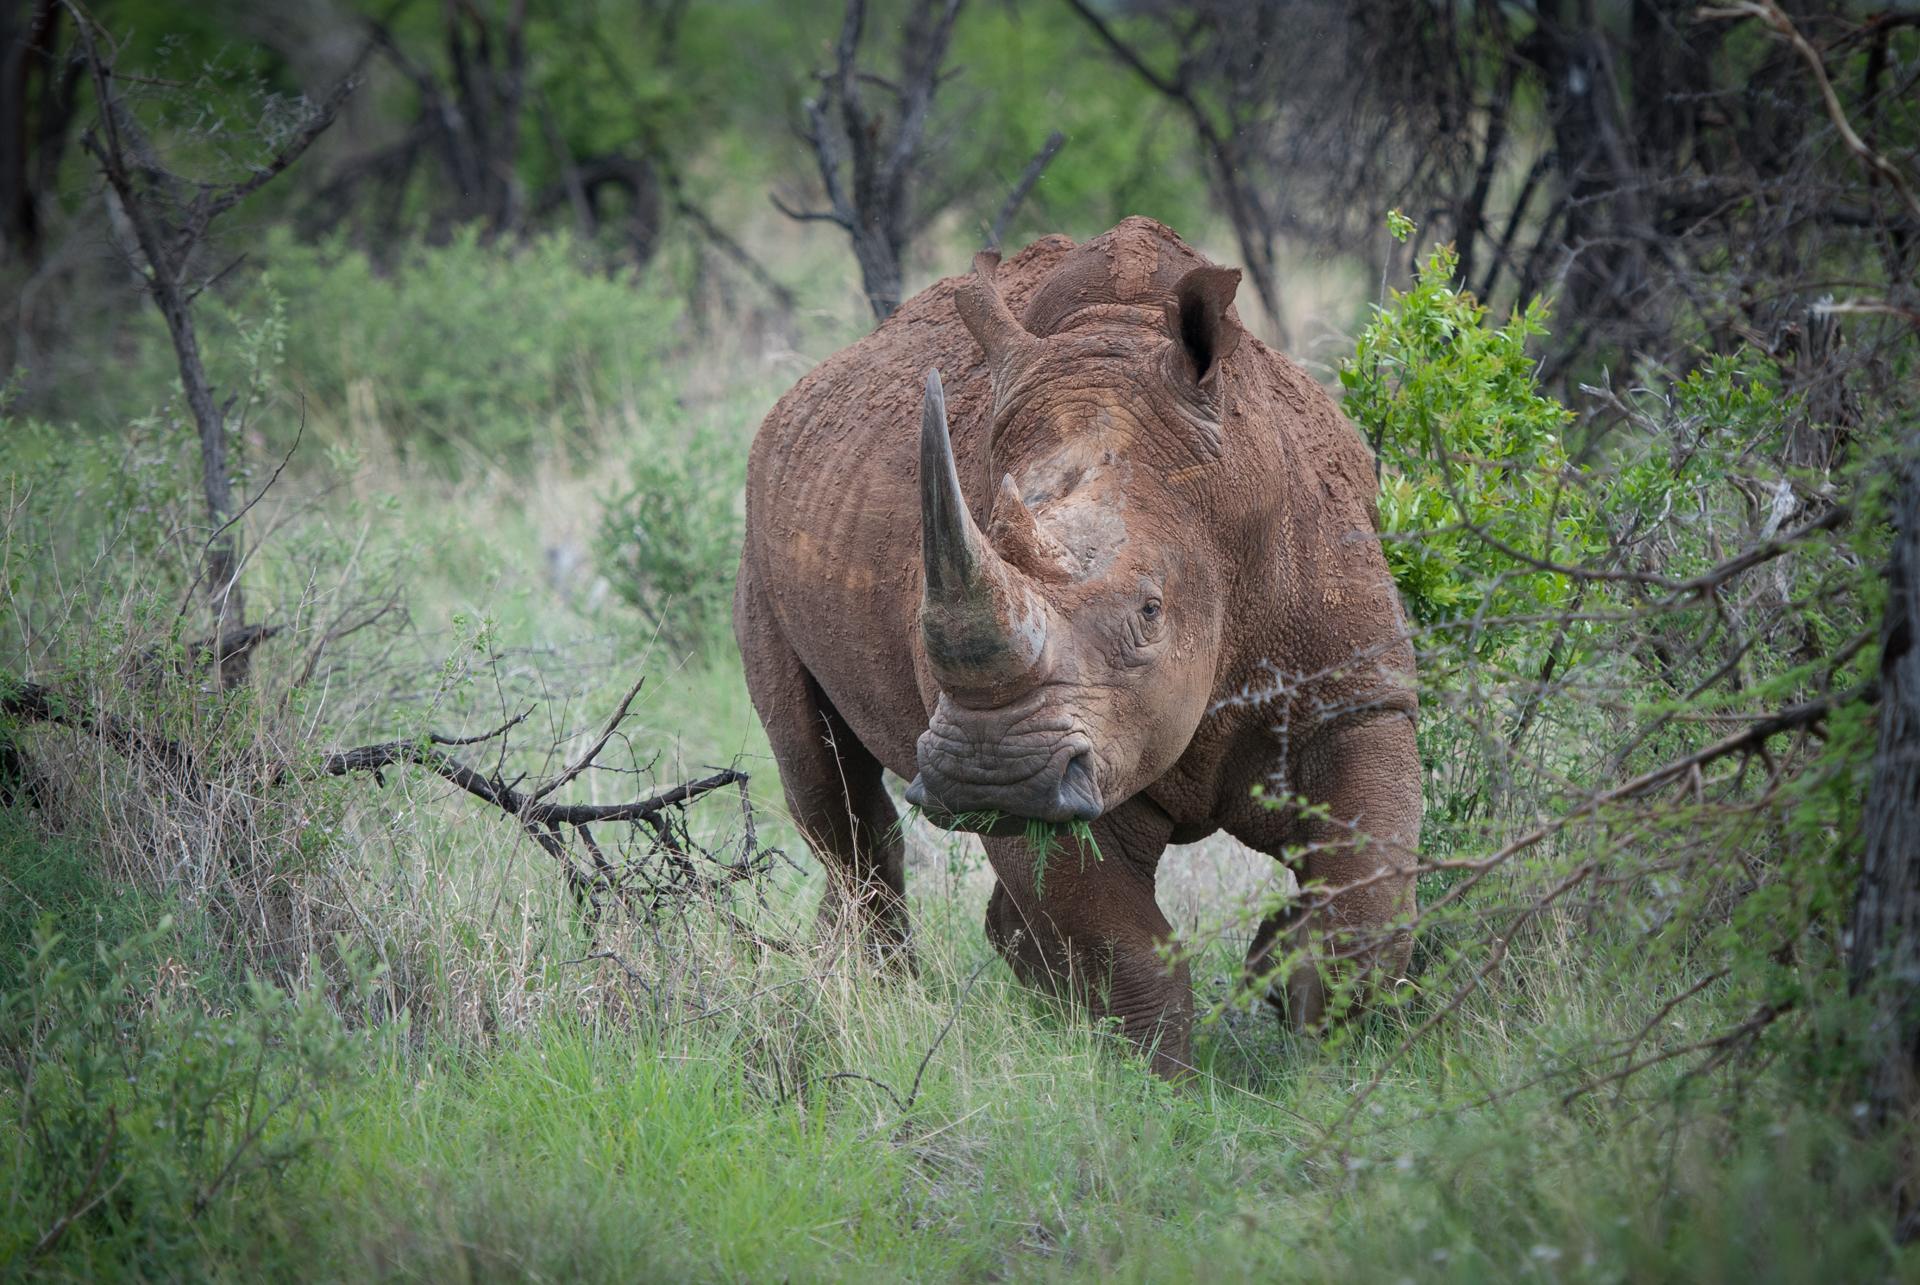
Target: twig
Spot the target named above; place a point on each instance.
(1028, 177)
(1751, 738)
(586, 760)
(369, 758)
(52, 1235)
(1881, 307)
(913, 1094)
(1646, 1028)
(882, 1085)
(1770, 13)
(634, 975)
(478, 737)
(206, 547)
(807, 216)
(1680, 590)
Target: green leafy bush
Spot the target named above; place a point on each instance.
(129, 1107)
(669, 541)
(1473, 492)
(465, 344)
(1596, 629)
(52, 884)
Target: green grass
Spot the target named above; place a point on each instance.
(715, 1143)
(1044, 836)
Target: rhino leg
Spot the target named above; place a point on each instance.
(1366, 774)
(833, 785)
(1089, 928)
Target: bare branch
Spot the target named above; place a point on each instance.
(371, 758)
(593, 751)
(806, 216)
(480, 737)
(213, 202)
(32, 703)
(1770, 13)
(1028, 177)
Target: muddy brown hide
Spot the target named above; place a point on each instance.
(1171, 593)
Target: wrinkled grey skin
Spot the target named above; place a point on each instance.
(1114, 562)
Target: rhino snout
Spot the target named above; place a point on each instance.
(1042, 775)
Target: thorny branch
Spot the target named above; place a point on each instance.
(1751, 739)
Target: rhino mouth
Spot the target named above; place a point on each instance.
(989, 778)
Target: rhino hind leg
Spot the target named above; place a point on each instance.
(1087, 927)
(835, 793)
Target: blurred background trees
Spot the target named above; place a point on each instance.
(1677, 179)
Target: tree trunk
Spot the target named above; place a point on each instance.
(165, 270)
(1884, 960)
(36, 101)
(224, 591)
(874, 247)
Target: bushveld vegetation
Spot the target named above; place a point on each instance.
(351, 925)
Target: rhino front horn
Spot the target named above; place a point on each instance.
(984, 629)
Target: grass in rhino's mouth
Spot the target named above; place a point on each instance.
(1041, 836)
(959, 822)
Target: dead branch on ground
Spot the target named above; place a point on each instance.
(648, 875)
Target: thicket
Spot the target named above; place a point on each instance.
(1647, 668)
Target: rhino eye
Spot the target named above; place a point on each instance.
(1151, 609)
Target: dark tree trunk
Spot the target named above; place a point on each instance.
(877, 250)
(1884, 961)
(1606, 269)
(167, 234)
(36, 107)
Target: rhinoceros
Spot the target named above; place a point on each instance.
(1061, 542)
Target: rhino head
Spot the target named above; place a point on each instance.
(1075, 640)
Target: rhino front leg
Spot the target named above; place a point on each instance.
(1086, 926)
(833, 785)
(1363, 780)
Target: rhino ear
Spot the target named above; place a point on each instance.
(987, 317)
(1202, 322)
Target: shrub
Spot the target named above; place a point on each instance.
(669, 542)
(1643, 674)
(466, 344)
(51, 884)
(129, 1108)
(1473, 466)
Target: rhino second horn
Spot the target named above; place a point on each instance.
(1017, 536)
(982, 625)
